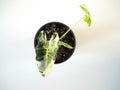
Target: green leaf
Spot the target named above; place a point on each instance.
(46, 52)
(87, 17)
(65, 45)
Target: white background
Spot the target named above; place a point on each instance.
(95, 65)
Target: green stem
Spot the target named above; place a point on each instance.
(69, 29)
(65, 34)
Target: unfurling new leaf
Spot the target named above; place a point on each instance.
(65, 45)
(87, 17)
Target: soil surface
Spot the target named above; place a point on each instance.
(63, 53)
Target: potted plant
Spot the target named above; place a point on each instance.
(54, 43)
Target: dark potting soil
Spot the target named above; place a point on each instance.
(63, 52)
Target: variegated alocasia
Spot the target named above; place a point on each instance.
(46, 52)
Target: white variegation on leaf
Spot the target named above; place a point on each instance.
(46, 52)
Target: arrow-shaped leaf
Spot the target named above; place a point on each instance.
(46, 52)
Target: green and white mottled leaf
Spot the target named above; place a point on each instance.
(46, 52)
(87, 16)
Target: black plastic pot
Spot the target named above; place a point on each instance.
(51, 27)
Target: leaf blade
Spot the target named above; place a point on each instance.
(87, 16)
(46, 51)
(65, 45)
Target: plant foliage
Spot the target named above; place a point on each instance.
(87, 16)
(46, 52)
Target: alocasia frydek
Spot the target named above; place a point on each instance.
(46, 50)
